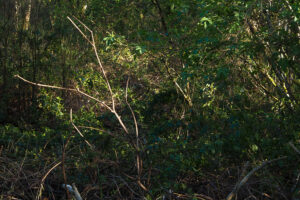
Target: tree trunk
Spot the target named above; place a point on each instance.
(27, 16)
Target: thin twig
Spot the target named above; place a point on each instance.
(64, 170)
(132, 113)
(79, 132)
(297, 183)
(63, 164)
(76, 192)
(44, 178)
(113, 108)
(125, 184)
(93, 43)
(294, 147)
(117, 188)
(245, 179)
(43, 85)
(63, 88)
(97, 129)
(138, 158)
(84, 35)
(83, 25)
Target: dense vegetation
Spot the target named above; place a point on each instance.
(186, 99)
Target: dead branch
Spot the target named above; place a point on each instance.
(138, 158)
(93, 43)
(112, 108)
(245, 179)
(97, 129)
(43, 180)
(76, 193)
(79, 132)
(294, 147)
(62, 88)
(43, 85)
(73, 190)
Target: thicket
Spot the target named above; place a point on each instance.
(150, 99)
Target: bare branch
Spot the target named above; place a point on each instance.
(89, 96)
(138, 159)
(62, 88)
(52, 168)
(294, 147)
(245, 179)
(93, 43)
(83, 25)
(79, 132)
(186, 96)
(73, 190)
(43, 85)
(76, 193)
(84, 35)
(125, 183)
(113, 108)
(132, 113)
(103, 72)
(97, 129)
(43, 179)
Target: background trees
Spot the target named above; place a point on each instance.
(213, 84)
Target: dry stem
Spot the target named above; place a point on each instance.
(111, 108)
(245, 179)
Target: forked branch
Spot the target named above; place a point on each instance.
(111, 108)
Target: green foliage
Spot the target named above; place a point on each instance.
(51, 104)
(213, 84)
